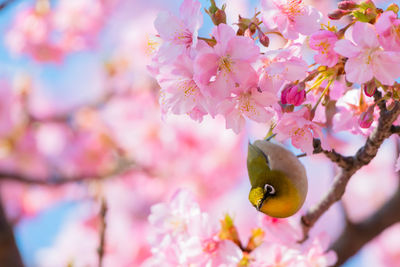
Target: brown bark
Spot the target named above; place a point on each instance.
(9, 253)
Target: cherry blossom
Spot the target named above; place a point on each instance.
(249, 102)
(178, 33)
(388, 29)
(323, 42)
(280, 66)
(350, 106)
(222, 68)
(180, 93)
(291, 17)
(300, 129)
(366, 59)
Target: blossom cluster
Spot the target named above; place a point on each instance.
(186, 236)
(48, 33)
(239, 74)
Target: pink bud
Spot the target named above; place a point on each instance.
(293, 95)
(367, 117)
(264, 40)
(369, 88)
(338, 14)
(347, 5)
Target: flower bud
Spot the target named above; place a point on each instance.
(246, 24)
(393, 7)
(338, 14)
(347, 5)
(228, 230)
(264, 40)
(367, 117)
(216, 14)
(219, 17)
(369, 88)
(293, 95)
(256, 239)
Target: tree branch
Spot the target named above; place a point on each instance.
(342, 161)
(350, 165)
(9, 253)
(355, 236)
(58, 180)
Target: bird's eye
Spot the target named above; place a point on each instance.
(269, 189)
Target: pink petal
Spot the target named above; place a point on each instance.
(222, 33)
(357, 71)
(205, 66)
(385, 21)
(190, 11)
(168, 25)
(308, 22)
(243, 48)
(386, 67)
(347, 48)
(364, 35)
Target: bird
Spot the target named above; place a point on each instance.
(278, 179)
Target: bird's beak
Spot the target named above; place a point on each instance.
(260, 204)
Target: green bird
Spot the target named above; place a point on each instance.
(278, 179)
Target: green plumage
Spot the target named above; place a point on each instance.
(257, 166)
(278, 179)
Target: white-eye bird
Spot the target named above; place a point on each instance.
(278, 179)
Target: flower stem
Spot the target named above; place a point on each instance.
(317, 83)
(322, 95)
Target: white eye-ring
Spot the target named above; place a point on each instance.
(269, 189)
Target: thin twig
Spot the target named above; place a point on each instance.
(102, 232)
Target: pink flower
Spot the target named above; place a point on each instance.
(366, 59)
(367, 117)
(179, 33)
(300, 129)
(282, 231)
(193, 239)
(30, 34)
(248, 102)
(222, 68)
(173, 219)
(281, 66)
(291, 17)
(275, 255)
(324, 41)
(79, 22)
(349, 109)
(179, 92)
(388, 29)
(293, 95)
(316, 254)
